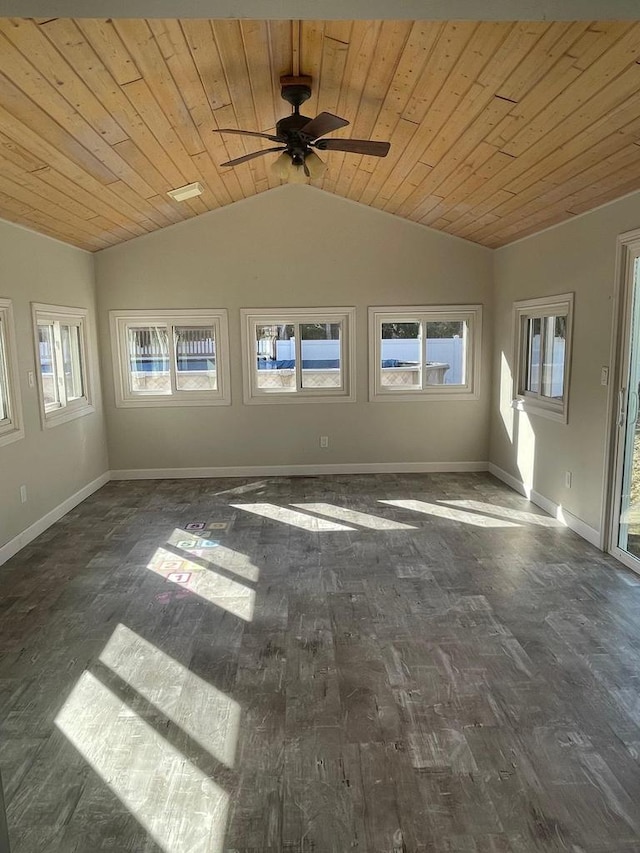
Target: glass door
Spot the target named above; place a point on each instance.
(626, 496)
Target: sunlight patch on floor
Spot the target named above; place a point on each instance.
(451, 514)
(506, 512)
(289, 516)
(206, 714)
(176, 803)
(215, 553)
(222, 591)
(373, 522)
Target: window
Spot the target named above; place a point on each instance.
(62, 359)
(170, 358)
(10, 408)
(424, 352)
(542, 345)
(297, 355)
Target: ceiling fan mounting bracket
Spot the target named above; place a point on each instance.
(295, 90)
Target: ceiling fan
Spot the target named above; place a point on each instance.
(298, 135)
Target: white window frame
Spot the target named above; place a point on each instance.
(11, 426)
(66, 411)
(531, 402)
(471, 314)
(126, 398)
(252, 317)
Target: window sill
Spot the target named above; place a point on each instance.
(296, 398)
(10, 434)
(170, 402)
(422, 396)
(62, 416)
(532, 408)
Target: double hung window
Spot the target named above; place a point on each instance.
(62, 360)
(170, 357)
(421, 352)
(10, 409)
(542, 345)
(298, 354)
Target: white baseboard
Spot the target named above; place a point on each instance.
(562, 515)
(14, 545)
(299, 470)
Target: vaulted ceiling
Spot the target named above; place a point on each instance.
(497, 129)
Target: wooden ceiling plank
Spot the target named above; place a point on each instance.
(206, 57)
(281, 43)
(68, 38)
(311, 43)
(610, 65)
(583, 130)
(563, 71)
(575, 173)
(53, 211)
(44, 133)
(140, 43)
(179, 168)
(400, 140)
(109, 47)
(146, 208)
(456, 155)
(34, 88)
(447, 51)
(32, 180)
(467, 224)
(110, 230)
(226, 117)
(334, 60)
(173, 44)
(388, 53)
(42, 224)
(596, 39)
(93, 201)
(550, 146)
(417, 175)
(32, 42)
(358, 64)
(255, 37)
(591, 183)
(228, 36)
(612, 194)
(550, 47)
(422, 39)
(68, 169)
(19, 156)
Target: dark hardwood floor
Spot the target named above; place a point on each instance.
(363, 664)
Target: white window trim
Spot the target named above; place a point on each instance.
(42, 313)
(120, 320)
(434, 313)
(527, 401)
(250, 317)
(12, 428)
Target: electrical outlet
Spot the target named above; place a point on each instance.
(567, 479)
(23, 494)
(604, 375)
(31, 379)
(324, 441)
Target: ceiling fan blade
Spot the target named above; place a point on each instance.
(355, 146)
(251, 156)
(247, 133)
(321, 124)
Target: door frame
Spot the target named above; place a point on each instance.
(628, 249)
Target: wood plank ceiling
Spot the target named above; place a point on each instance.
(497, 130)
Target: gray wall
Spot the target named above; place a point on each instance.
(578, 256)
(294, 246)
(53, 463)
